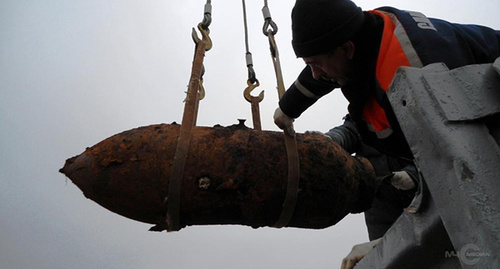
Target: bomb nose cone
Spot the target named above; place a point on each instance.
(78, 170)
(121, 173)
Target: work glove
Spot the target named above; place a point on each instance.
(357, 253)
(401, 180)
(284, 122)
(317, 133)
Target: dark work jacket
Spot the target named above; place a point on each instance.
(430, 41)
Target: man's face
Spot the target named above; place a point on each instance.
(335, 66)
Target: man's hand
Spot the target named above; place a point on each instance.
(284, 122)
(317, 133)
(357, 253)
(401, 180)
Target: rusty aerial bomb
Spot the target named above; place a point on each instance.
(233, 175)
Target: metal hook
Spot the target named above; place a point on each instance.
(205, 36)
(201, 92)
(250, 88)
(254, 101)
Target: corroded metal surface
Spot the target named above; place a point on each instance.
(233, 175)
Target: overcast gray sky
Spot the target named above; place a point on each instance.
(73, 73)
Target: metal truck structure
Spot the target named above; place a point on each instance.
(451, 119)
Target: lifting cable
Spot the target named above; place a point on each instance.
(270, 29)
(252, 81)
(249, 60)
(195, 92)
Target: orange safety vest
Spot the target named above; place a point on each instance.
(395, 51)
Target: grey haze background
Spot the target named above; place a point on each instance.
(73, 73)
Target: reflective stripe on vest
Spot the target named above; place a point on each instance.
(395, 51)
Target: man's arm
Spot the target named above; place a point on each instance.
(346, 135)
(303, 93)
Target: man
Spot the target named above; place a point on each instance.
(393, 196)
(360, 53)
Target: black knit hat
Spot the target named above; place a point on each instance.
(319, 26)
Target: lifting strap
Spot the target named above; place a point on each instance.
(270, 29)
(195, 91)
